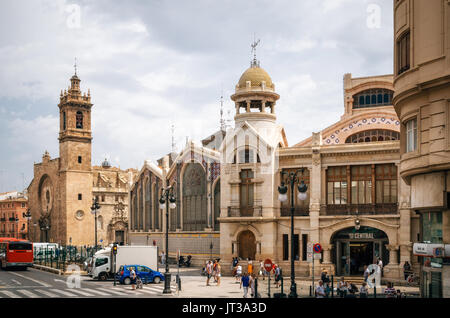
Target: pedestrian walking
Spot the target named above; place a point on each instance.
(261, 269)
(218, 273)
(363, 290)
(215, 271)
(245, 282)
(133, 278)
(380, 266)
(209, 270)
(238, 272)
(277, 275)
(342, 287)
(252, 285)
(320, 290)
(366, 273)
(406, 269)
(250, 267)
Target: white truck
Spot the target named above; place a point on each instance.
(103, 260)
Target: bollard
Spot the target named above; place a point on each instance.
(332, 286)
(375, 291)
(310, 291)
(178, 279)
(268, 286)
(256, 288)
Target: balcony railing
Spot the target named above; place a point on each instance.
(298, 211)
(367, 209)
(244, 212)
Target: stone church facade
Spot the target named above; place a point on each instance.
(62, 190)
(357, 206)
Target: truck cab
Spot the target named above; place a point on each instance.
(101, 264)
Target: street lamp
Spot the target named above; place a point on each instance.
(95, 206)
(27, 215)
(292, 178)
(167, 196)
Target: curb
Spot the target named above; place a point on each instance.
(58, 271)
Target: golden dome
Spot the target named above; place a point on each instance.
(255, 75)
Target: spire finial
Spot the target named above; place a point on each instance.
(222, 121)
(255, 62)
(75, 66)
(173, 138)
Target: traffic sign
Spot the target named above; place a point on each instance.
(317, 248)
(310, 257)
(309, 248)
(268, 265)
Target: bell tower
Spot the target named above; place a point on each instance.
(75, 138)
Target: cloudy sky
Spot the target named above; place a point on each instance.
(150, 64)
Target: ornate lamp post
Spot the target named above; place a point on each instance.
(95, 206)
(27, 215)
(292, 178)
(167, 196)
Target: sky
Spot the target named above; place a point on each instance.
(157, 63)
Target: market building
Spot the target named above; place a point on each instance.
(356, 206)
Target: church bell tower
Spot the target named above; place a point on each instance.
(75, 138)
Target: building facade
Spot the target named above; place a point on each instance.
(62, 190)
(13, 222)
(422, 102)
(226, 188)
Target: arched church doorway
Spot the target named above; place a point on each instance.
(352, 249)
(247, 245)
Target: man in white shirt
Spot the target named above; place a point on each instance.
(320, 291)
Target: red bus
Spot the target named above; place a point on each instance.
(15, 253)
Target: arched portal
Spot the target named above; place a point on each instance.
(247, 245)
(352, 249)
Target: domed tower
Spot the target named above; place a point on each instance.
(255, 96)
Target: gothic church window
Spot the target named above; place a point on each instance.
(194, 198)
(79, 120)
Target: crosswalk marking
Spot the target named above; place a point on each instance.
(98, 292)
(9, 294)
(47, 293)
(64, 293)
(76, 290)
(27, 293)
(113, 291)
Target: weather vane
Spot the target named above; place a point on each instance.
(255, 62)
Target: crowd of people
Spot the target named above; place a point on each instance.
(246, 276)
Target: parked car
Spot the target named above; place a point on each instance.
(146, 274)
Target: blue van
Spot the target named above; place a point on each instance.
(146, 274)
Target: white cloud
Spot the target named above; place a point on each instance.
(151, 64)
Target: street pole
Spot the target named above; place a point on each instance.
(167, 274)
(293, 293)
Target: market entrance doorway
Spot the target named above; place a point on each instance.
(352, 249)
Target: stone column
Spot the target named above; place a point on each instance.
(393, 259)
(248, 106)
(327, 254)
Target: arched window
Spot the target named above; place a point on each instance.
(248, 156)
(376, 135)
(100, 222)
(373, 98)
(148, 205)
(216, 206)
(79, 118)
(194, 198)
(64, 120)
